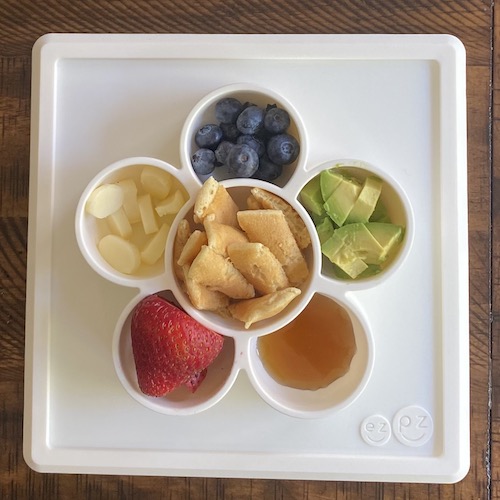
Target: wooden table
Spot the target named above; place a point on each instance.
(473, 21)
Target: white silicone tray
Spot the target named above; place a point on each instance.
(397, 102)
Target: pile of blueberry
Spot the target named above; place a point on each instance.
(248, 140)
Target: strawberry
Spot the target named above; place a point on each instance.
(170, 348)
(194, 382)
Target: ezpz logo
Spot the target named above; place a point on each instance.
(411, 425)
(376, 430)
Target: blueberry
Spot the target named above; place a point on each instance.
(242, 161)
(222, 151)
(208, 136)
(277, 120)
(267, 171)
(246, 104)
(227, 110)
(203, 161)
(230, 131)
(251, 120)
(282, 149)
(253, 142)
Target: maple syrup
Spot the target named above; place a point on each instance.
(313, 350)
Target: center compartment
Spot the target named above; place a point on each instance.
(239, 190)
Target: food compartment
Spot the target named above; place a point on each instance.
(219, 319)
(124, 216)
(220, 376)
(363, 220)
(279, 157)
(316, 365)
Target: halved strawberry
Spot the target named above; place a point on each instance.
(170, 348)
(195, 381)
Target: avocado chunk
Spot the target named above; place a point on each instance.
(324, 229)
(380, 213)
(347, 261)
(371, 270)
(343, 256)
(388, 235)
(332, 245)
(311, 198)
(318, 219)
(362, 242)
(366, 202)
(342, 200)
(329, 180)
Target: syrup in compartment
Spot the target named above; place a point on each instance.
(314, 350)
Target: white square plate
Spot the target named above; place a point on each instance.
(395, 101)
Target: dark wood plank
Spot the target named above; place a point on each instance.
(22, 22)
(495, 344)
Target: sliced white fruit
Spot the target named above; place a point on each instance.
(169, 219)
(156, 182)
(120, 254)
(171, 204)
(134, 215)
(104, 200)
(156, 246)
(119, 224)
(130, 206)
(102, 228)
(148, 216)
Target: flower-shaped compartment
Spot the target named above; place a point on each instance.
(90, 230)
(316, 365)
(220, 375)
(377, 238)
(203, 113)
(239, 190)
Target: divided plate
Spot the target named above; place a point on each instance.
(394, 101)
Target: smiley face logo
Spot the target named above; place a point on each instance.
(412, 426)
(375, 430)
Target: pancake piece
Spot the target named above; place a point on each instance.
(219, 236)
(273, 202)
(201, 297)
(270, 228)
(259, 266)
(216, 272)
(183, 233)
(252, 310)
(192, 247)
(213, 198)
(253, 204)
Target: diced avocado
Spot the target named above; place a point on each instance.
(318, 219)
(347, 260)
(388, 235)
(342, 255)
(380, 213)
(366, 202)
(324, 229)
(341, 201)
(371, 270)
(329, 180)
(362, 242)
(331, 246)
(311, 198)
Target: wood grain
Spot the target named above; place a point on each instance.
(495, 259)
(22, 22)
